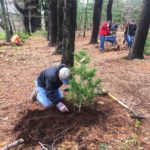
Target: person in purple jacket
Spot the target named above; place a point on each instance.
(47, 87)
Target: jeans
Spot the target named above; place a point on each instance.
(42, 97)
(130, 40)
(102, 39)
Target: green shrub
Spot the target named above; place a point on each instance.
(147, 45)
(131, 143)
(39, 33)
(83, 82)
(2, 35)
(23, 35)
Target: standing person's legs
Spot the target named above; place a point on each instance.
(129, 41)
(125, 38)
(102, 39)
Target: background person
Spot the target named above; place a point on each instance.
(130, 31)
(104, 30)
(15, 39)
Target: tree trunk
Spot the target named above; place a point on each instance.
(59, 27)
(9, 22)
(69, 27)
(85, 19)
(6, 25)
(30, 27)
(33, 7)
(142, 31)
(32, 15)
(35, 15)
(96, 20)
(109, 10)
(52, 22)
(44, 4)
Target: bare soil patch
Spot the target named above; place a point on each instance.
(105, 122)
(95, 125)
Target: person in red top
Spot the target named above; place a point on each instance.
(104, 30)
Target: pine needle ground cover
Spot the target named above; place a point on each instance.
(102, 125)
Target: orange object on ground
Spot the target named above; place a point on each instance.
(15, 39)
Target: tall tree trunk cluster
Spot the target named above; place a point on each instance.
(142, 32)
(61, 28)
(96, 20)
(55, 24)
(109, 10)
(69, 27)
(44, 4)
(6, 22)
(52, 23)
(85, 19)
(31, 14)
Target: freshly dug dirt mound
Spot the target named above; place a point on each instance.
(92, 125)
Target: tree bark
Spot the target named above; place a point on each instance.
(9, 22)
(96, 20)
(2, 26)
(6, 24)
(44, 4)
(69, 27)
(109, 10)
(36, 15)
(85, 19)
(59, 27)
(30, 27)
(52, 22)
(142, 31)
(32, 8)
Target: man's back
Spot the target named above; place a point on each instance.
(50, 76)
(132, 29)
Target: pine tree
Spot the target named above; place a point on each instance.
(83, 82)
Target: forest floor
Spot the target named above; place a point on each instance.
(104, 125)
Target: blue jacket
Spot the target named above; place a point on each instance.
(49, 80)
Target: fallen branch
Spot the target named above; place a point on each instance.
(5, 44)
(62, 132)
(42, 145)
(56, 60)
(60, 135)
(52, 147)
(14, 144)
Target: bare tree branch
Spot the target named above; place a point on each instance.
(21, 10)
(14, 144)
(2, 26)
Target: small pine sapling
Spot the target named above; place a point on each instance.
(83, 82)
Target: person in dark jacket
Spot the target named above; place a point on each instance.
(47, 87)
(130, 31)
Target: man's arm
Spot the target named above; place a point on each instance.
(50, 92)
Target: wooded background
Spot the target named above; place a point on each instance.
(61, 18)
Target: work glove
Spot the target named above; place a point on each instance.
(62, 107)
